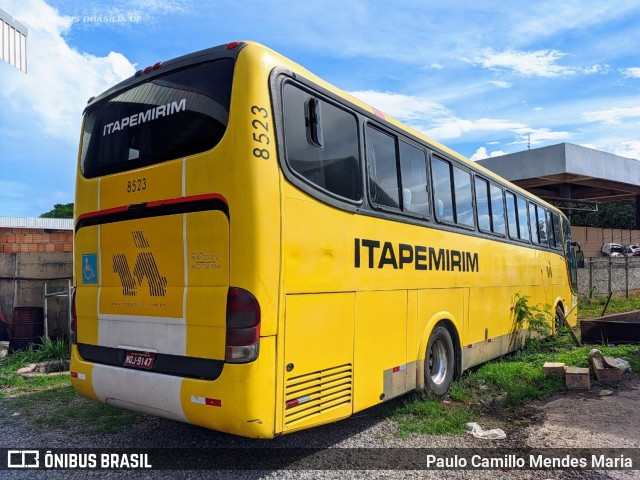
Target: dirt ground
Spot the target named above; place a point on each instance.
(606, 416)
(590, 418)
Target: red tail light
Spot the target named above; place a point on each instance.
(243, 326)
(73, 325)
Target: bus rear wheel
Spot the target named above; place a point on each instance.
(439, 362)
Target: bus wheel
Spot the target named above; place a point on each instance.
(439, 362)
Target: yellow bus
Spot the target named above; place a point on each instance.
(258, 252)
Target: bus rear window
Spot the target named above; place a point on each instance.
(171, 116)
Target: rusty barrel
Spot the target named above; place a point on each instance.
(27, 327)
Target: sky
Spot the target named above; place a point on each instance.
(485, 78)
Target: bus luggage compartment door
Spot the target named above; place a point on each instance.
(318, 359)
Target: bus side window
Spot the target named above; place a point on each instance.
(441, 175)
(533, 209)
(512, 215)
(497, 210)
(463, 196)
(557, 230)
(383, 168)
(321, 143)
(482, 204)
(550, 232)
(415, 188)
(542, 225)
(523, 220)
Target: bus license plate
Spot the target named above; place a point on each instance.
(139, 359)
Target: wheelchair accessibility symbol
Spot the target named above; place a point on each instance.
(90, 268)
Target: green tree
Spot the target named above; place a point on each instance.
(60, 210)
(609, 215)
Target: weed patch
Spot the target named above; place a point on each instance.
(502, 387)
(13, 384)
(430, 417)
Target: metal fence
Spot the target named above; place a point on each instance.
(607, 275)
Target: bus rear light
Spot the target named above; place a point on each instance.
(148, 69)
(232, 45)
(243, 326)
(73, 325)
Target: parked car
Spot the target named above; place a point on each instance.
(612, 250)
(632, 250)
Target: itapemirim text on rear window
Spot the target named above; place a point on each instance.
(181, 113)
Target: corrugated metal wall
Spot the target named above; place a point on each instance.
(13, 42)
(36, 222)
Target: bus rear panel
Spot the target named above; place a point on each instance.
(163, 324)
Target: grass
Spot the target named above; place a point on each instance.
(504, 386)
(593, 307)
(428, 416)
(49, 401)
(12, 384)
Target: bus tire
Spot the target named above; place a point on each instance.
(439, 363)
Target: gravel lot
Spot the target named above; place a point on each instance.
(573, 419)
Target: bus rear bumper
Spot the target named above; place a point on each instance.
(240, 401)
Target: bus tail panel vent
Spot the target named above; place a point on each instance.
(318, 397)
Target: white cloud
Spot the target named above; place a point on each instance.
(631, 72)
(415, 111)
(481, 153)
(594, 69)
(431, 118)
(589, 145)
(7, 132)
(60, 79)
(630, 149)
(455, 128)
(500, 84)
(541, 63)
(613, 115)
(536, 136)
(441, 124)
(549, 19)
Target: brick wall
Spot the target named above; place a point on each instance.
(16, 240)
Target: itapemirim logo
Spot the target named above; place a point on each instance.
(145, 266)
